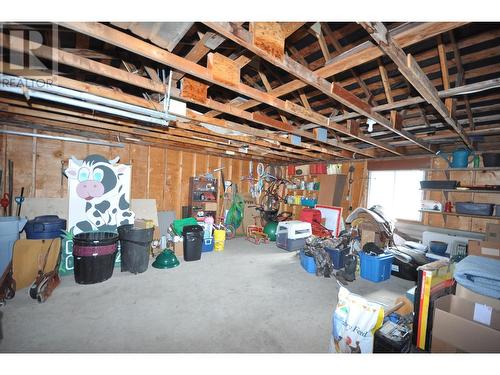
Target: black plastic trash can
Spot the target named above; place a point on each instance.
(192, 242)
(94, 256)
(135, 246)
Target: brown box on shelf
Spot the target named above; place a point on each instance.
(210, 206)
(484, 249)
(462, 326)
(493, 232)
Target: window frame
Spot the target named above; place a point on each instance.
(421, 214)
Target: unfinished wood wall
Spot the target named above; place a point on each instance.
(157, 173)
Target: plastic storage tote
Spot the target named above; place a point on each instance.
(94, 256)
(307, 262)
(10, 226)
(375, 268)
(44, 227)
(192, 242)
(135, 247)
(338, 257)
(208, 245)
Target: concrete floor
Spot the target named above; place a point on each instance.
(246, 299)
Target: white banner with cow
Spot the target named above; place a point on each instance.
(99, 198)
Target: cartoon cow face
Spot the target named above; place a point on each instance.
(96, 175)
(99, 184)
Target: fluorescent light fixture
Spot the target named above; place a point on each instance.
(229, 152)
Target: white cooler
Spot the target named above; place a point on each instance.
(291, 235)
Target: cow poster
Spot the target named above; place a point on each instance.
(99, 198)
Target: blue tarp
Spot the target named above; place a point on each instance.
(479, 274)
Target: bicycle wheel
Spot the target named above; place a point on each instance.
(270, 173)
(260, 170)
(230, 231)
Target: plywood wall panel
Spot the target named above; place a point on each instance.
(188, 170)
(156, 175)
(49, 180)
(20, 151)
(173, 182)
(139, 159)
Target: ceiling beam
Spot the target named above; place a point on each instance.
(410, 69)
(333, 90)
(406, 35)
(143, 82)
(135, 45)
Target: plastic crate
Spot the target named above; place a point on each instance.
(307, 262)
(375, 268)
(338, 257)
(207, 245)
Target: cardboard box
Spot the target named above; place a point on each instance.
(435, 280)
(493, 232)
(469, 295)
(484, 249)
(369, 233)
(178, 248)
(457, 328)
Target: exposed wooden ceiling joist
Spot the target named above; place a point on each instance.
(413, 73)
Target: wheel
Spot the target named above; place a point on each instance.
(260, 169)
(230, 231)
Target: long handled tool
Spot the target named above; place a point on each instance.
(19, 201)
(11, 185)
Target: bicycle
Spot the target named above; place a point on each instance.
(228, 228)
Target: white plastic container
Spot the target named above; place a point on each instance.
(291, 235)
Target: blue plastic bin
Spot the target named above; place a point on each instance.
(207, 245)
(44, 227)
(375, 268)
(307, 262)
(337, 256)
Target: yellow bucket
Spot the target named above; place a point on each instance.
(219, 239)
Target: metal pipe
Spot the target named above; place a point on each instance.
(59, 138)
(32, 86)
(81, 104)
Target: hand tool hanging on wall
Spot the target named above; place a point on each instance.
(11, 185)
(19, 201)
(349, 186)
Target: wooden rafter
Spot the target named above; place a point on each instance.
(145, 49)
(413, 73)
(244, 38)
(461, 78)
(118, 74)
(405, 35)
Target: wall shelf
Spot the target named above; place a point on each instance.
(464, 215)
(483, 169)
(465, 191)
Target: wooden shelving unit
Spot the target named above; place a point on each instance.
(466, 176)
(483, 169)
(464, 215)
(465, 191)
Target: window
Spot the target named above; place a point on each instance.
(398, 192)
